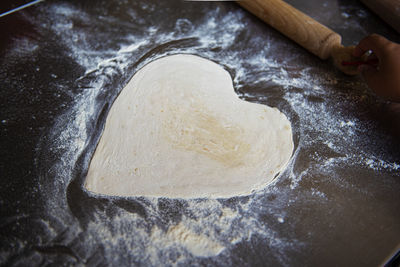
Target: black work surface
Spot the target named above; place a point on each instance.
(64, 62)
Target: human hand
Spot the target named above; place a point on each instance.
(384, 78)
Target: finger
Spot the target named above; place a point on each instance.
(373, 42)
(371, 76)
(372, 56)
(373, 61)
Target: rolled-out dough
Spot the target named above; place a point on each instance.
(178, 129)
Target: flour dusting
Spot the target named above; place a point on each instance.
(150, 231)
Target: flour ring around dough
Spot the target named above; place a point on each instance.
(178, 130)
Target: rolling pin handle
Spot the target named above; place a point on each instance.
(296, 25)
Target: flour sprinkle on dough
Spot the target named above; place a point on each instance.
(179, 130)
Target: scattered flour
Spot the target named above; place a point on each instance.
(208, 227)
(197, 244)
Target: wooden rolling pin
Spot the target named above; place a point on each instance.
(304, 30)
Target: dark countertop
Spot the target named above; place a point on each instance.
(64, 62)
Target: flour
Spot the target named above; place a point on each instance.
(197, 244)
(150, 231)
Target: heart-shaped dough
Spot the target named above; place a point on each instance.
(179, 130)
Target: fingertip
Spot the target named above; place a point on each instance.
(373, 42)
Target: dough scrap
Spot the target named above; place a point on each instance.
(179, 130)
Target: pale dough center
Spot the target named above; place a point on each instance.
(179, 130)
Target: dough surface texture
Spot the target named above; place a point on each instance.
(179, 130)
